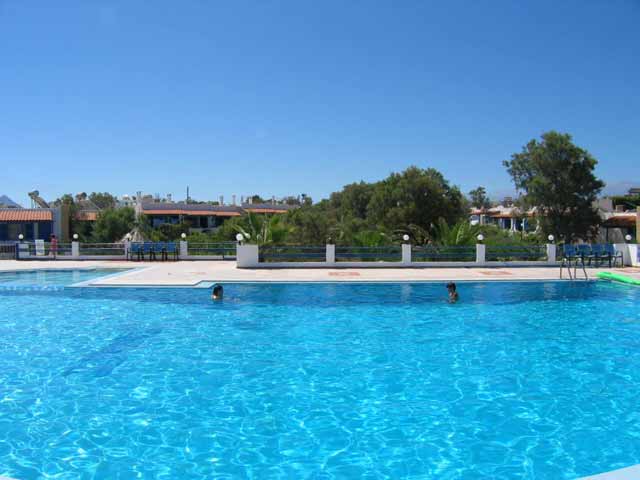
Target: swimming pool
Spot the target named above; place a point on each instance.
(518, 380)
(59, 277)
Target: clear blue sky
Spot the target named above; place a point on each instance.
(306, 96)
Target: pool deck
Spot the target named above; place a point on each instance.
(629, 473)
(191, 273)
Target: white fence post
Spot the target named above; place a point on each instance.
(331, 254)
(624, 249)
(551, 253)
(75, 249)
(634, 254)
(481, 250)
(406, 254)
(184, 249)
(247, 256)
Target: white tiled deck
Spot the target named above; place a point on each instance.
(189, 273)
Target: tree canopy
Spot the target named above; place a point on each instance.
(113, 224)
(479, 199)
(557, 177)
(103, 200)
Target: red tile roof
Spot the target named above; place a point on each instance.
(265, 210)
(86, 216)
(192, 213)
(18, 215)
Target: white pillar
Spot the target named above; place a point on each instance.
(634, 254)
(406, 254)
(247, 256)
(184, 249)
(127, 247)
(331, 254)
(624, 248)
(551, 252)
(75, 249)
(23, 250)
(481, 249)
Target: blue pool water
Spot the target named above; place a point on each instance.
(53, 277)
(518, 380)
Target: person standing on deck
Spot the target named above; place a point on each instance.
(53, 249)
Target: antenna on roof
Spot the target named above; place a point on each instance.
(187, 194)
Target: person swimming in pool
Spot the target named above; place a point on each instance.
(218, 292)
(453, 294)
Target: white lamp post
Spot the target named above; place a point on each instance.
(628, 237)
(239, 237)
(21, 237)
(183, 236)
(480, 237)
(75, 236)
(405, 237)
(551, 238)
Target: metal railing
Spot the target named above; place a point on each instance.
(443, 253)
(226, 250)
(7, 250)
(97, 249)
(369, 254)
(292, 253)
(506, 253)
(61, 250)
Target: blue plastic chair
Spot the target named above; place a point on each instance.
(171, 249)
(147, 248)
(613, 255)
(598, 253)
(585, 252)
(136, 249)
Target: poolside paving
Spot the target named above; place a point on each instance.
(629, 473)
(190, 273)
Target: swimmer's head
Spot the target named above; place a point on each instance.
(217, 292)
(451, 287)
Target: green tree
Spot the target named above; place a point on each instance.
(103, 200)
(113, 224)
(557, 177)
(415, 197)
(263, 229)
(479, 199)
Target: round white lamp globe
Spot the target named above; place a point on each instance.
(628, 237)
(480, 237)
(75, 236)
(551, 238)
(128, 236)
(239, 237)
(21, 237)
(405, 237)
(183, 236)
